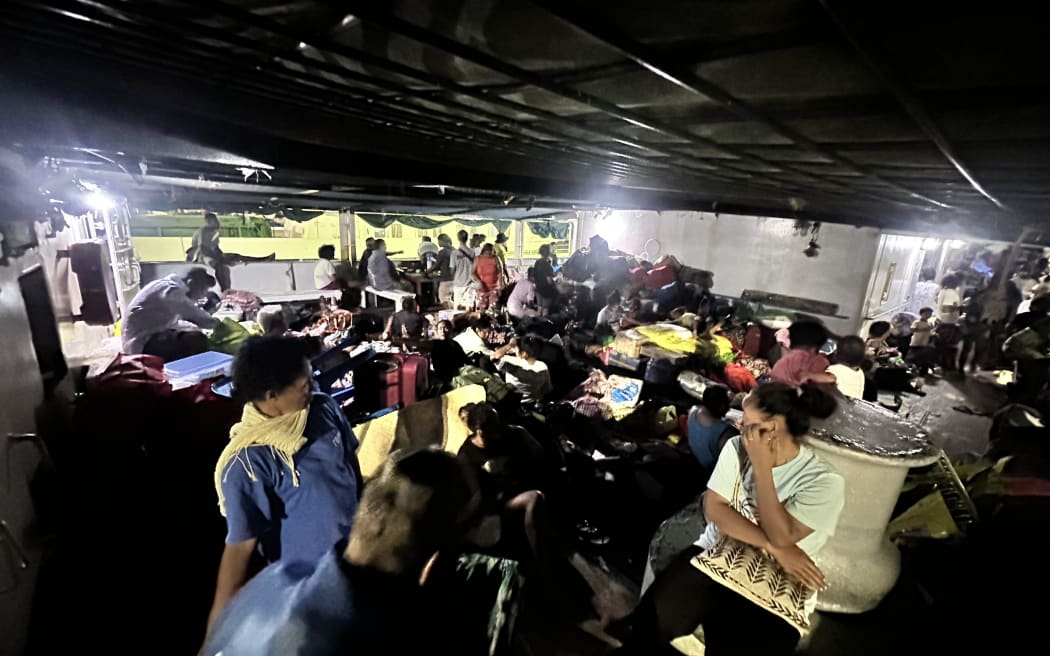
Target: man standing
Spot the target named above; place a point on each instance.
(501, 255)
(427, 252)
(288, 481)
(443, 266)
(947, 308)
(362, 266)
(164, 319)
(463, 273)
(543, 274)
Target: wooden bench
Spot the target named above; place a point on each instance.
(395, 295)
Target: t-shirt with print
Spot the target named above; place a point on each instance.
(296, 522)
(811, 491)
(848, 380)
(796, 363)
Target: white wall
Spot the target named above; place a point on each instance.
(748, 252)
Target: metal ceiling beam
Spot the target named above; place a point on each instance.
(367, 103)
(234, 13)
(895, 83)
(688, 81)
(321, 44)
(370, 13)
(746, 46)
(324, 44)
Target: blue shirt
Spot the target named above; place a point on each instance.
(324, 607)
(296, 523)
(703, 440)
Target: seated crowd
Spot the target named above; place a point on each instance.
(346, 561)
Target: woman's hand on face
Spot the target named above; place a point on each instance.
(796, 563)
(760, 445)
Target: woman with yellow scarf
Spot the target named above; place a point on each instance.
(288, 482)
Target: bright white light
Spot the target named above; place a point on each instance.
(100, 201)
(303, 45)
(348, 20)
(956, 244)
(930, 243)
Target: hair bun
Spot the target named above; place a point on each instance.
(815, 401)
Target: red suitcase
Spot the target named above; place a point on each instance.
(414, 376)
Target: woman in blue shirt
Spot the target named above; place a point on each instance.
(707, 428)
(288, 481)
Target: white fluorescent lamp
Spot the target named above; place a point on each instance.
(956, 244)
(99, 201)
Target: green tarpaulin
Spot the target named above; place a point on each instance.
(427, 223)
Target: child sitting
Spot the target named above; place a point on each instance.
(849, 378)
(803, 363)
(609, 316)
(877, 346)
(706, 426)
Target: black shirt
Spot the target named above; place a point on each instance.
(543, 273)
(362, 266)
(411, 321)
(506, 468)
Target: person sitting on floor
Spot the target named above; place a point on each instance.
(632, 316)
(522, 300)
(511, 471)
(355, 596)
(324, 270)
(849, 377)
(406, 324)
(793, 502)
(271, 319)
(164, 319)
(803, 363)
(609, 316)
(529, 376)
(473, 340)
(706, 426)
(288, 481)
(876, 346)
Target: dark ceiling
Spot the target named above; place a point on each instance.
(917, 115)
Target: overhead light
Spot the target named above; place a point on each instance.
(303, 45)
(99, 201)
(348, 20)
(956, 244)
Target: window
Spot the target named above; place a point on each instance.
(166, 236)
(531, 242)
(395, 231)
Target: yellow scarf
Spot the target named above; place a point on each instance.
(284, 436)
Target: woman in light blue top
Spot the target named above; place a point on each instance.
(707, 428)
